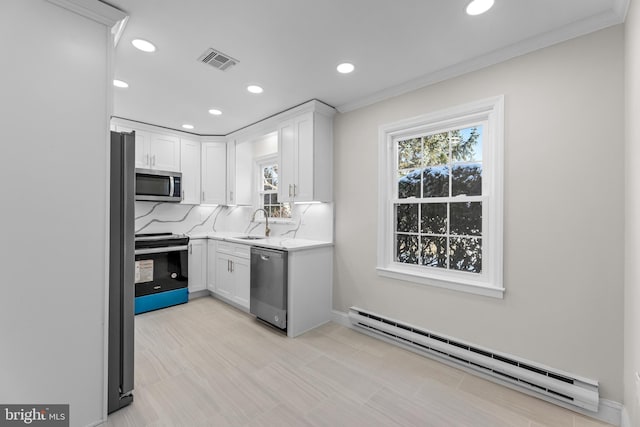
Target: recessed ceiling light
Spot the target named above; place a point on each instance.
(215, 112)
(144, 45)
(345, 68)
(186, 126)
(478, 7)
(120, 83)
(254, 89)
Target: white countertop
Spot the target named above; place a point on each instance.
(274, 242)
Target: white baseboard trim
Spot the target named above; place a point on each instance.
(228, 301)
(609, 411)
(626, 421)
(341, 318)
(199, 294)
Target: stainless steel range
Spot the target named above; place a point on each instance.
(161, 271)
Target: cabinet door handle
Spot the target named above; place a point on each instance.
(295, 190)
(203, 198)
(231, 196)
(232, 266)
(146, 159)
(190, 249)
(289, 190)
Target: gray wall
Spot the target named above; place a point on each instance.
(632, 223)
(53, 170)
(564, 189)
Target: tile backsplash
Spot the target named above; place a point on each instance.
(309, 221)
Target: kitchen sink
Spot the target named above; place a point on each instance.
(251, 237)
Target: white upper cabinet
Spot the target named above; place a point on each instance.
(190, 168)
(305, 147)
(224, 181)
(155, 151)
(143, 156)
(143, 142)
(164, 152)
(214, 173)
(220, 171)
(239, 173)
(230, 196)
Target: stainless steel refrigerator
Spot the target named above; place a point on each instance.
(121, 271)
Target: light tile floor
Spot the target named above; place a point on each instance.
(207, 364)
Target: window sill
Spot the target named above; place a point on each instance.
(457, 285)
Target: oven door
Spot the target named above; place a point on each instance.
(160, 269)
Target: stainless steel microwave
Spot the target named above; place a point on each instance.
(158, 186)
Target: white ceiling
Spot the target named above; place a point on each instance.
(291, 49)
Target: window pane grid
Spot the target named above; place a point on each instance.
(438, 208)
(451, 250)
(268, 192)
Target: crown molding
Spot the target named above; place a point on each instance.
(95, 10)
(610, 17)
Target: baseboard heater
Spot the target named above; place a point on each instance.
(551, 385)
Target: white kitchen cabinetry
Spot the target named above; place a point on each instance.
(214, 173)
(310, 285)
(230, 196)
(239, 174)
(197, 267)
(232, 281)
(305, 148)
(190, 168)
(164, 152)
(243, 164)
(211, 265)
(143, 143)
(309, 277)
(155, 151)
(219, 179)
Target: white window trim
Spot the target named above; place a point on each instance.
(490, 281)
(258, 163)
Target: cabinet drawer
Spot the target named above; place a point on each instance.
(236, 249)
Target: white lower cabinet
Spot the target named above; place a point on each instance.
(232, 280)
(310, 284)
(197, 266)
(211, 265)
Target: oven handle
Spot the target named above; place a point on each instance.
(161, 250)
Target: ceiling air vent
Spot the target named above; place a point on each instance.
(217, 59)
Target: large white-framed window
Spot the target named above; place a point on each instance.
(441, 198)
(268, 179)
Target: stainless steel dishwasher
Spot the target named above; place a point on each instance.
(268, 298)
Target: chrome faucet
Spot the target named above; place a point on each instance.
(266, 218)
